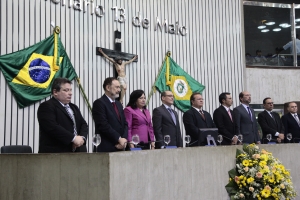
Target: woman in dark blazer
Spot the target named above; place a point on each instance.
(139, 120)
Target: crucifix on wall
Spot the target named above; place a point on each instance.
(119, 60)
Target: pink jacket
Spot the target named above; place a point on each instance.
(139, 123)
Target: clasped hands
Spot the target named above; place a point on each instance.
(122, 144)
(280, 137)
(78, 141)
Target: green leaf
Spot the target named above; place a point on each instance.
(239, 152)
(232, 173)
(231, 187)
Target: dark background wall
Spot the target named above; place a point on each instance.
(267, 42)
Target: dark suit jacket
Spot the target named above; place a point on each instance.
(290, 126)
(108, 125)
(163, 124)
(269, 125)
(244, 125)
(193, 121)
(56, 127)
(224, 124)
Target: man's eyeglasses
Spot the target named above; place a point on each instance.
(270, 103)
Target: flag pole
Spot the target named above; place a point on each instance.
(84, 95)
(56, 31)
(153, 89)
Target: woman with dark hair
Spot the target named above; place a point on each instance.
(139, 120)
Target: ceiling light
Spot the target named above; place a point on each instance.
(297, 26)
(265, 30)
(284, 25)
(261, 27)
(270, 23)
(297, 20)
(277, 29)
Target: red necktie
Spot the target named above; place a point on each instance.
(202, 114)
(229, 113)
(116, 109)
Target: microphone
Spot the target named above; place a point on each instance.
(193, 143)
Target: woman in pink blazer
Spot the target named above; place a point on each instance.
(139, 120)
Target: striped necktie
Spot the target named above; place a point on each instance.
(69, 111)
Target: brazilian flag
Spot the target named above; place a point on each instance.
(172, 77)
(30, 72)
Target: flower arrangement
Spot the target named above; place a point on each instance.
(258, 175)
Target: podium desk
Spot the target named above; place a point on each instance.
(183, 173)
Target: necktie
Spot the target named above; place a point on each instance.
(116, 109)
(271, 114)
(250, 114)
(202, 114)
(297, 119)
(172, 115)
(68, 109)
(229, 113)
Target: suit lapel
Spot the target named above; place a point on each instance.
(148, 117)
(293, 119)
(272, 120)
(141, 114)
(167, 113)
(226, 113)
(245, 111)
(63, 109)
(111, 107)
(198, 115)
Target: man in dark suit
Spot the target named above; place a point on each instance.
(223, 118)
(62, 127)
(291, 122)
(109, 118)
(270, 122)
(245, 120)
(165, 122)
(196, 118)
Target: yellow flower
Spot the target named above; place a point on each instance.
(276, 190)
(281, 167)
(258, 197)
(286, 172)
(246, 163)
(265, 193)
(271, 179)
(282, 186)
(250, 180)
(241, 155)
(264, 157)
(262, 163)
(275, 195)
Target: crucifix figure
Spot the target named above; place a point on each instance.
(120, 68)
(119, 60)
